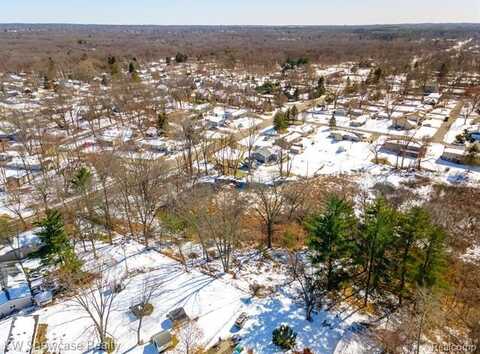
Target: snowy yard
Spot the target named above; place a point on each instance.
(214, 303)
(323, 155)
(457, 128)
(321, 336)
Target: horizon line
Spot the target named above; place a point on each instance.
(243, 25)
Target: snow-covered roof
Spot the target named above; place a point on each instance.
(44, 296)
(11, 173)
(19, 291)
(434, 95)
(25, 239)
(123, 134)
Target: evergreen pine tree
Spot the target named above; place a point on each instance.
(330, 240)
(376, 239)
(432, 263)
(112, 63)
(50, 75)
(321, 87)
(280, 121)
(56, 248)
(131, 68)
(81, 180)
(413, 226)
(293, 114)
(332, 123)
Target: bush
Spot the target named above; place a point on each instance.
(381, 161)
(256, 289)
(109, 345)
(284, 337)
(174, 342)
(142, 310)
(280, 121)
(264, 252)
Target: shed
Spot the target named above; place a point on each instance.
(178, 315)
(162, 341)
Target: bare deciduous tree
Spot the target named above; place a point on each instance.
(222, 222)
(190, 337)
(310, 287)
(143, 307)
(269, 206)
(97, 303)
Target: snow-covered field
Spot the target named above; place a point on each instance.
(283, 306)
(321, 336)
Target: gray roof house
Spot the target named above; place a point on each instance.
(264, 155)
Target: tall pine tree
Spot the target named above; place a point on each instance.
(330, 240)
(377, 237)
(56, 247)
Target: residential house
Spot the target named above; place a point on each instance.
(349, 136)
(359, 121)
(405, 148)
(21, 246)
(264, 155)
(115, 136)
(432, 99)
(15, 294)
(178, 316)
(408, 121)
(12, 178)
(454, 154)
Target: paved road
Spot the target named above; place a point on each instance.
(445, 127)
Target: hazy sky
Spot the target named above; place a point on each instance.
(249, 12)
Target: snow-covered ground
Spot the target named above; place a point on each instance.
(321, 336)
(5, 326)
(214, 303)
(458, 127)
(323, 155)
(472, 254)
(380, 126)
(22, 331)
